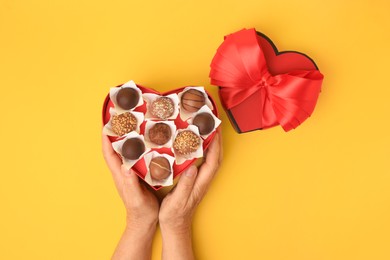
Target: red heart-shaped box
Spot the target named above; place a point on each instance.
(243, 117)
(140, 167)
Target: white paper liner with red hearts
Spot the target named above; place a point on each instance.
(148, 178)
(197, 154)
(107, 129)
(150, 98)
(114, 92)
(184, 115)
(206, 109)
(118, 148)
(149, 124)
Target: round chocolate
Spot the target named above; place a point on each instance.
(192, 100)
(160, 133)
(127, 98)
(133, 148)
(186, 142)
(159, 168)
(205, 122)
(162, 107)
(123, 123)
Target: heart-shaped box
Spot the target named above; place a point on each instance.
(243, 66)
(140, 167)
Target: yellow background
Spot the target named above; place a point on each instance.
(319, 192)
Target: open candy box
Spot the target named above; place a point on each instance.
(159, 135)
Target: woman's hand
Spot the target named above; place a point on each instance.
(179, 205)
(176, 210)
(141, 206)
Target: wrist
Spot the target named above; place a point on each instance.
(175, 223)
(176, 229)
(136, 241)
(177, 242)
(141, 226)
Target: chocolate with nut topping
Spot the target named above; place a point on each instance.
(123, 123)
(186, 142)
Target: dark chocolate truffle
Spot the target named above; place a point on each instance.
(162, 107)
(159, 168)
(127, 98)
(192, 100)
(186, 142)
(123, 123)
(160, 133)
(133, 148)
(205, 122)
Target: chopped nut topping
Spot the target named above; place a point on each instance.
(186, 142)
(123, 123)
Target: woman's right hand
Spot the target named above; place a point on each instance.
(178, 207)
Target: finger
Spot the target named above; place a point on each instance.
(131, 181)
(210, 166)
(185, 184)
(220, 141)
(214, 152)
(113, 161)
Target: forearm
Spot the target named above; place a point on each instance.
(135, 243)
(177, 245)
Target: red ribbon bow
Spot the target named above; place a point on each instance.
(240, 69)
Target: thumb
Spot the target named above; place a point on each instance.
(130, 180)
(186, 182)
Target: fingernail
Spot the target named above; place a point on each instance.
(190, 172)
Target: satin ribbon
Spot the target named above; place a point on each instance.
(240, 69)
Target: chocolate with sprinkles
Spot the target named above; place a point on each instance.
(162, 108)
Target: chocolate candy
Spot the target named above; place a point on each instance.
(192, 100)
(159, 168)
(123, 123)
(127, 98)
(186, 142)
(162, 107)
(205, 122)
(160, 133)
(133, 148)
